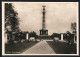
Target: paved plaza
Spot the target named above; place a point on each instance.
(41, 48)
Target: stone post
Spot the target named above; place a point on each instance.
(27, 36)
(61, 36)
(6, 38)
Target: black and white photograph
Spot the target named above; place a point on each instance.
(40, 28)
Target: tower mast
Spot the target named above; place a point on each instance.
(43, 21)
(43, 31)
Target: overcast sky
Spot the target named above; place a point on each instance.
(59, 16)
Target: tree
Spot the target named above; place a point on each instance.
(33, 34)
(68, 36)
(11, 20)
(73, 28)
(55, 35)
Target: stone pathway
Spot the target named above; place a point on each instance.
(40, 48)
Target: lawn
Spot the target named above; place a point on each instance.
(62, 47)
(18, 47)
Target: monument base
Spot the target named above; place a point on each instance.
(43, 32)
(44, 37)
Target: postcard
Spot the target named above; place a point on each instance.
(40, 28)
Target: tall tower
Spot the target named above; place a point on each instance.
(43, 31)
(43, 21)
